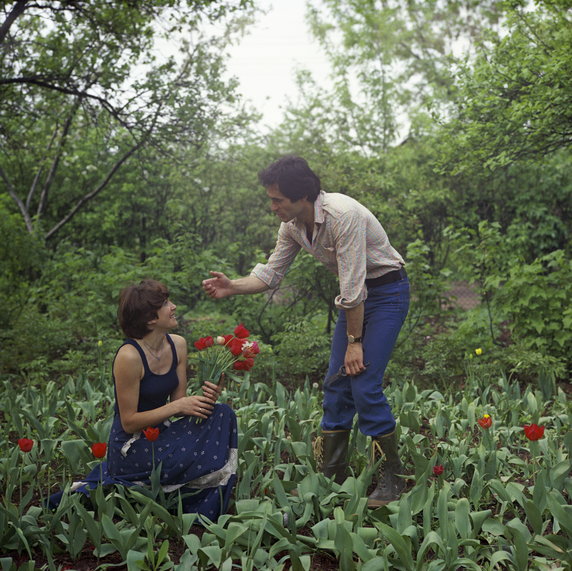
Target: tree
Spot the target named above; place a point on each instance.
(506, 150)
(390, 57)
(515, 102)
(83, 89)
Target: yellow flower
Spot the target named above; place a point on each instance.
(100, 343)
(478, 351)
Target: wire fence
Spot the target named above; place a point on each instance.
(463, 295)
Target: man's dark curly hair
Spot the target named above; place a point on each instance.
(295, 179)
(138, 304)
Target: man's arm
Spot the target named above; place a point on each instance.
(353, 360)
(220, 286)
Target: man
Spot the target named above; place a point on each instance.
(373, 303)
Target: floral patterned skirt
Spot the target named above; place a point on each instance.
(199, 459)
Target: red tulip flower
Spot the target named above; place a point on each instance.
(251, 349)
(151, 434)
(224, 353)
(99, 449)
(533, 431)
(485, 422)
(235, 346)
(244, 365)
(204, 342)
(438, 469)
(25, 444)
(241, 331)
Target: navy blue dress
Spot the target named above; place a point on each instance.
(197, 458)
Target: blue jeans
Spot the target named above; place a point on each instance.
(385, 311)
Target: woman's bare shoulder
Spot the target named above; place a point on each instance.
(128, 355)
(179, 340)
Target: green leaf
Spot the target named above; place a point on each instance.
(75, 452)
(402, 546)
(533, 516)
(519, 532)
(135, 560)
(462, 519)
(434, 540)
(561, 512)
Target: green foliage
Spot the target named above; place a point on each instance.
(515, 100)
(302, 351)
(535, 297)
(501, 499)
(58, 319)
(84, 91)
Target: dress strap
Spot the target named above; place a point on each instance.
(174, 349)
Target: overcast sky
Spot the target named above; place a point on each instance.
(267, 57)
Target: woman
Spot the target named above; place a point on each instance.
(197, 453)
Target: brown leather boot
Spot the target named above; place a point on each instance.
(331, 454)
(389, 483)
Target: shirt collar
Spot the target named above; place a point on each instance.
(319, 212)
(319, 208)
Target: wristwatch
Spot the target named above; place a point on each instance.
(352, 339)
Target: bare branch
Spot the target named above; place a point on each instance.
(43, 82)
(87, 197)
(17, 10)
(58, 156)
(17, 200)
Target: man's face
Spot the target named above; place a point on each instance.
(282, 206)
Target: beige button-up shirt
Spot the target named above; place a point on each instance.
(348, 239)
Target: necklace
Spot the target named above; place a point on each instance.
(153, 354)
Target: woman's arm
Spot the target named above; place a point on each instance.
(128, 371)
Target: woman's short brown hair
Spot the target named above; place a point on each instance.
(138, 304)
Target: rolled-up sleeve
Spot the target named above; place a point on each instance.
(279, 261)
(351, 254)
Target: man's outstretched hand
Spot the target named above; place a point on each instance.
(218, 286)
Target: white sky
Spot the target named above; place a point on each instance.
(266, 58)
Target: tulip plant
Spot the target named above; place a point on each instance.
(487, 485)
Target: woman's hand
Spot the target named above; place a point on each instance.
(212, 391)
(199, 406)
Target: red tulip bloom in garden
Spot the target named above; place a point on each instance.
(438, 469)
(99, 449)
(533, 431)
(151, 434)
(25, 444)
(485, 422)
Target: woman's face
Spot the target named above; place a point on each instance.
(166, 318)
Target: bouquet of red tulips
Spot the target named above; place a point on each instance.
(218, 355)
